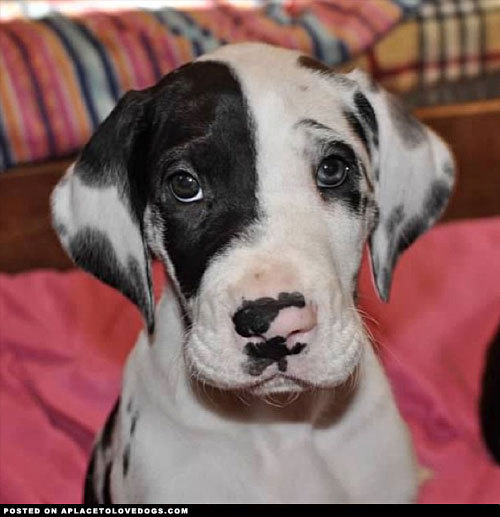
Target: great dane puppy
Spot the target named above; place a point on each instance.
(256, 175)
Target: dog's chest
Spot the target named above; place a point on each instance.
(241, 465)
(178, 450)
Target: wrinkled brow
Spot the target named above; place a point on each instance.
(310, 123)
(331, 134)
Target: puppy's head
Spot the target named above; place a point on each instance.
(256, 175)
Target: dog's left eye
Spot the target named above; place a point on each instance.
(332, 172)
(185, 187)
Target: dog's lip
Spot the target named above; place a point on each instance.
(253, 387)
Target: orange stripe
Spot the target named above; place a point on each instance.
(11, 116)
(26, 31)
(100, 25)
(33, 129)
(158, 38)
(69, 85)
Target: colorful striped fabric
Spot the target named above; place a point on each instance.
(449, 52)
(60, 76)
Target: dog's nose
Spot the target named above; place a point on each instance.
(293, 320)
(268, 317)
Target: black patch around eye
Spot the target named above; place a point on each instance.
(358, 129)
(203, 118)
(349, 192)
(367, 113)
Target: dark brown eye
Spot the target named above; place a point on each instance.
(332, 172)
(185, 187)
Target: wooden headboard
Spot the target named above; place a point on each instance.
(472, 130)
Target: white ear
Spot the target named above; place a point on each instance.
(98, 207)
(414, 176)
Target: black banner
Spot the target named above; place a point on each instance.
(239, 510)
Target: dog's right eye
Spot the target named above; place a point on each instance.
(185, 187)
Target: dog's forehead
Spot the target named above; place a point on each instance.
(283, 85)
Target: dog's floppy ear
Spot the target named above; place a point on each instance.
(414, 175)
(98, 206)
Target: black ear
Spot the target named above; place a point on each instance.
(98, 206)
(414, 176)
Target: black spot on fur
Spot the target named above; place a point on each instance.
(434, 202)
(376, 215)
(107, 159)
(355, 295)
(358, 129)
(133, 423)
(59, 228)
(490, 399)
(411, 230)
(255, 367)
(403, 232)
(317, 66)
(272, 350)
(106, 489)
(436, 198)
(92, 250)
(367, 113)
(449, 169)
(395, 219)
(107, 432)
(254, 317)
(126, 459)
(89, 493)
(313, 64)
(408, 127)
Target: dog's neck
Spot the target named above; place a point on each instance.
(166, 383)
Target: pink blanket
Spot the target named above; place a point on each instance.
(64, 337)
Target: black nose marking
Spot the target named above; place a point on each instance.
(261, 355)
(254, 317)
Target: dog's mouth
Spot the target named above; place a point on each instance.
(264, 354)
(272, 366)
(280, 384)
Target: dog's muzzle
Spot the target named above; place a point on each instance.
(271, 329)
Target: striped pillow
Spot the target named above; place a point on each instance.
(60, 76)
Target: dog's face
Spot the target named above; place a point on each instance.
(256, 175)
